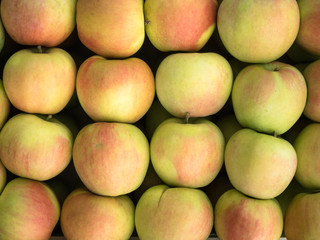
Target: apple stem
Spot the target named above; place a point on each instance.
(39, 49)
(187, 117)
(274, 134)
(49, 117)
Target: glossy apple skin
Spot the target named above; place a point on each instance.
(259, 165)
(307, 147)
(269, 97)
(113, 29)
(40, 82)
(46, 23)
(85, 215)
(238, 216)
(111, 159)
(173, 213)
(29, 210)
(302, 217)
(195, 83)
(35, 148)
(120, 90)
(180, 25)
(187, 154)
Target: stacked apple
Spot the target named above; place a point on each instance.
(164, 119)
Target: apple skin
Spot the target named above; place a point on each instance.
(309, 32)
(195, 83)
(3, 177)
(29, 210)
(120, 90)
(46, 23)
(85, 215)
(240, 217)
(302, 218)
(307, 148)
(40, 82)
(187, 154)
(173, 213)
(180, 25)
(35, 148)
(111, 159)
(5, 105)
(113, 28)
(250, 36)
(259, 165)
(262, 93)
(312, 75)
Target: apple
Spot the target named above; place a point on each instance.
(173, 213)
(29, 210)
(240, 217)
(312, 75)
(111, 159)
(3, 177)
(46, 23)
(120, 90)
(195, 83)
(85, 215)
(252, 37)
(307, 147)
(39, 80)
(113, 28)
(35, 147)
(269, 97)
(259, 165)
(309, 33)
(4, 105)
(180, 25)
(302, 217)
(187, 154)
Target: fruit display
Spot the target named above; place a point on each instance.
(159, 119)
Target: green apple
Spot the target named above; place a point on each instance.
(195, 83)
(187, 154)
(302, 219)
(240, 217)
(173, 213)
(307, 147)
(180, 25)
(35, 148)
(46, 23)
(29, 210)
(252, 37)
(120, 90)
(259, 165)
(3, 177)
(85, 215)
(111, 158)
(269, 97)
(5, 106)
(39, 80)
(113, 28)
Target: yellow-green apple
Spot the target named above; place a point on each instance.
(173, 213)
(240, 217)
(269, 97)
(194, 83)
(309, 33)
(252, 37)
(187, 154)
(258, 164)
(120, 90)
(4, 105)
(180, 25)
(46, 23)
(113, 28)
(307, 147)
(2, 35)
(35, 147)
(39, 80)
(312, 75)
(302, 218)
(3, 177)
(29, 210)
(111, 158)
(85, 215)
(228, 124)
